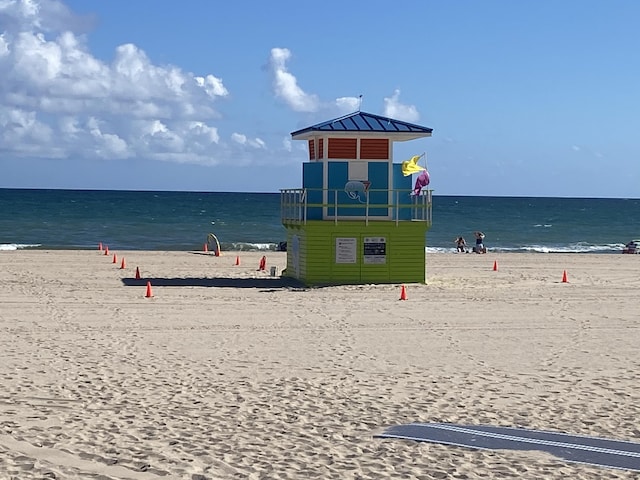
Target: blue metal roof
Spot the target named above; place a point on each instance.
(360, 122)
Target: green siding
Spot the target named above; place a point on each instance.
(316, 252)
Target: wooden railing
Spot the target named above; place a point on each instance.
(336, 205)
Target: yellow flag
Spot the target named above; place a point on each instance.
(411, 166)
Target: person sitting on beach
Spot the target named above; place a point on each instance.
(479, 248)
(461, 245)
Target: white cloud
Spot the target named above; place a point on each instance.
(394, 109)
(243, 140)
(29, 15)
(212, 85)
(348, 104)
(4, 46)
(23, 129)
(285, 85)
(239, 138)
(203, 133)
(68, 125)
(60, 98)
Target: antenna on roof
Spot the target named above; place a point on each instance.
(359, 102)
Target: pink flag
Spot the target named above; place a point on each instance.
(421, 182)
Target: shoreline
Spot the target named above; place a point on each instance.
(273, 249)
(247, 379)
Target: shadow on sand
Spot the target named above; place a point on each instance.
(220, 282)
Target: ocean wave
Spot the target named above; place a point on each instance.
(16, 246)
(573, 248)
(248, 246)
(439, 250)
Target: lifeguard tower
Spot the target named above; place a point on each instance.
(356, 218)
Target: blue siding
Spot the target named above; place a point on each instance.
(338, 177)
(338, 174)
(379, 178)
(400, 182)
(312, 180)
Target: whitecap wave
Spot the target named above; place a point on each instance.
(246, 246)
(575, 248)
(15, 246)
(572, 248)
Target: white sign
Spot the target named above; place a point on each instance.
(346, 249)
(375, 250)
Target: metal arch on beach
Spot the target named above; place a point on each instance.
(572, 448)
(211, 238)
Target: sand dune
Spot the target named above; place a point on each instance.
(230, 373)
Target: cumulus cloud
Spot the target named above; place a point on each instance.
(243, 140)
(285, 85)
(22, 129)
(394, 109)
(348, 104)
(27, 15)
(286, 88)
(63, 101)
(58, 100)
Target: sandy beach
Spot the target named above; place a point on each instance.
(227, 372)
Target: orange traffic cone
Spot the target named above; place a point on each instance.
(564, 277)
(403, 293)
(237, 260)
(100, 246)
(137, 273)
(205, 248)
(149, 294)
(106, 250)
(115, 258)
(495, 266)
(123, 265)
(217, 254)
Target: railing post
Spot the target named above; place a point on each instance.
(306, 206)
(299, 206)
(366, 212)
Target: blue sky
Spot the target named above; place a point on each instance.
(524, 98)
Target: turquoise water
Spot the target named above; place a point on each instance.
(129, 220)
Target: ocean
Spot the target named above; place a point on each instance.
(145, 220)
